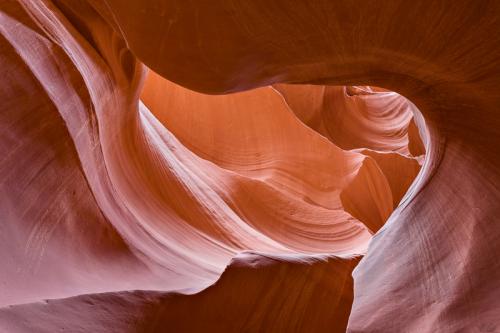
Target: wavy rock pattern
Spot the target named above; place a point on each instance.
(357, 117)
(134, 202)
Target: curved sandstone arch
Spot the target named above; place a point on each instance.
(444, 56)
(431, 267)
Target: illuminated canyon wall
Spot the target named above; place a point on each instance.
(233, 166)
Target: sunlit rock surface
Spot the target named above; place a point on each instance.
(132, 201)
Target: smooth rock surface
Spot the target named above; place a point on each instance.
(116, 179)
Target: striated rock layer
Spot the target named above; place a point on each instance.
(133, 201)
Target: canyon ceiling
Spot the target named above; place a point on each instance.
(249, 166)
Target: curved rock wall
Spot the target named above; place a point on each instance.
(104, 194)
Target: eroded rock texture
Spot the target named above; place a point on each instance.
(132, 201)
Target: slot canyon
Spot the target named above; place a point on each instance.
(249, 166)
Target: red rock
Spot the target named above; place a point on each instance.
(300, 159)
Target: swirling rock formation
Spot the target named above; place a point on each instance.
(134, 202)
